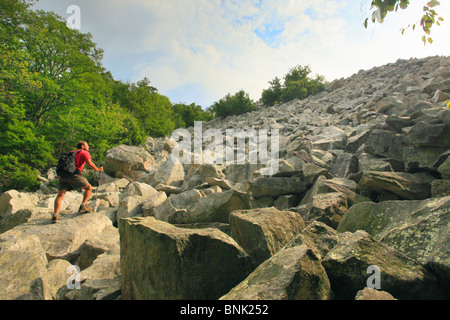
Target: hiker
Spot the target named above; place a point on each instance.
(76, 180)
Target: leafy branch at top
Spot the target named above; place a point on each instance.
(427, 21)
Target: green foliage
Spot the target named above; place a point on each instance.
(16, 175)
(236, 104)
(273, 95)
(429, 18)
(185, 115)
(54, 92)
(297, 85)
(153, 111)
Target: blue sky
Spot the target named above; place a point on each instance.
(201, 50)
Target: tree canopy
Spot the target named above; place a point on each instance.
(236, 104)
(297, 84)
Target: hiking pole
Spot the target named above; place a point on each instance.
(99, 177)
(98, 182)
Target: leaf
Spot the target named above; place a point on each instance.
(433, 3)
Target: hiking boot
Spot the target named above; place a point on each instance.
(84, 209)
(55, 218)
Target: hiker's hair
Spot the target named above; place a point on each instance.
(80, 144)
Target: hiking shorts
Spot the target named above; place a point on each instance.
(74, 182)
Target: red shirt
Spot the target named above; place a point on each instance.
(81, 158)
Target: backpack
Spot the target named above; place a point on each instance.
(66, 164)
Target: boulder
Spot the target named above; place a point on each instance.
(23, 276)
(106, 266)
(23, 271)
(288, 167)
(241, 172)
(355, 141)
(292, 274)
(161, 261)
(71, 201)
(405, 185)
(345, 186)
(379, 142)
(286, 201)
(12, 201)
(419, 229)
(349, 264)
(368, 162)
(432, 86)
(201, 175)
(57, 275)
(274, 186)
(224, 184)
(152, 202)
(107, 240)
(429, 135)
(263, 232)
(24, 216)
(389, 105)
(440, 188)
(215, 207)
(422, 158)
(444, 169)
(123, 160)
(345, 164)
(133, 198)
(169, 172)
(175, 203)
(398, 123)
(312, 171)
(325, 207)
(103, 289)
(130, 206)
(168, 189)
(318, 237)
(63, 240)
(373, 294)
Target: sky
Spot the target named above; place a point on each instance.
(198, 51)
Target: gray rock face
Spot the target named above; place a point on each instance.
(291, 274)
(419, 229)
(170, 264)
(400, 275)
(123, 161)
(263, 232)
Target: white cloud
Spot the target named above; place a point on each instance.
(200, 50)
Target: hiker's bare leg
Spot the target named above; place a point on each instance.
(58, 200)
(87, 193)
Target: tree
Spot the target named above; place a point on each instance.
(185, 115)
(272, 95)
(22, 148)
(297, 85)
(429, 18)
(236, 104)
(152, 110)
(61, 58)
